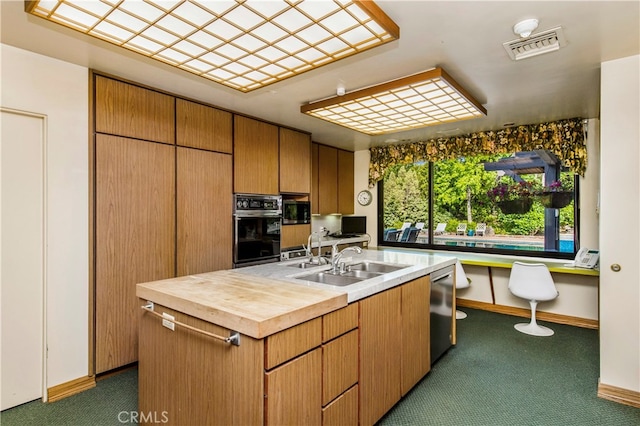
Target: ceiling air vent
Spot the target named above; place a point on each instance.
(537, 44)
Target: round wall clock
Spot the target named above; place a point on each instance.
(364, 197)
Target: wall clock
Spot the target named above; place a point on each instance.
(364, 197)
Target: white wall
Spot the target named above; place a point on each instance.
(361, 182)
(620, 224)
(59, 90)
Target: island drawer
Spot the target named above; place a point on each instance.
(289, 343)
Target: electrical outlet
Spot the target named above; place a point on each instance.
(168, 322)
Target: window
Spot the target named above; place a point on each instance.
(521, 203)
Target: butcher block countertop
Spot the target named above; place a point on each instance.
(251, 305)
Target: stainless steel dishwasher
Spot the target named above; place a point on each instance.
(441, 311)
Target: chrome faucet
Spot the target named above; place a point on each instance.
(337, 255)
(319, 233)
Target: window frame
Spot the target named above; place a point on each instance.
(481, 250)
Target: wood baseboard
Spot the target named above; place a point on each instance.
(619, 395)
(526, 313)
(73, 387)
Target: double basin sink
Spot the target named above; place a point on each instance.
(353, 274)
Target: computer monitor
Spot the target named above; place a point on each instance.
(354, 225)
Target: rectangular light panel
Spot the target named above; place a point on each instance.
(243, 44)
(425, 99)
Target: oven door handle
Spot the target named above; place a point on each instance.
(250, 214)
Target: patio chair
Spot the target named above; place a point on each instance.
(462, 229)
(480, 229)
(419, 226)
(440, 229)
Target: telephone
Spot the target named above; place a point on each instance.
(586, 258)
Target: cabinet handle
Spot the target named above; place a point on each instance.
(234, 338)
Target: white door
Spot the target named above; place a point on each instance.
(22, 263)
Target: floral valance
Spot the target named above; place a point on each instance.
(565, 138)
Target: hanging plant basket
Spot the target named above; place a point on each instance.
(518, 206)
(557, 199)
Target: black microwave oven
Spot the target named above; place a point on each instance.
(296, 212)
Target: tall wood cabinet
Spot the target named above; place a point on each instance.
(203, 209)
(135, 235)
(345, 182)
(256, 169)
(158, 210)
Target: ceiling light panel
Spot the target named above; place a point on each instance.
(273, 40)
(425, 99)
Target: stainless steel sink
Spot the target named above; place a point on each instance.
(380, 268)
(331, 279)
(361, 274)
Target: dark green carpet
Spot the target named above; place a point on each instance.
(494, 376)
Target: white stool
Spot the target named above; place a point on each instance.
(461, 282)
(532, 281)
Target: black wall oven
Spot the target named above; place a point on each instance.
(257, 222)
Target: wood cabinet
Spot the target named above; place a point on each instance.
(333, 176)
(294, 235)
(315, 179)
(380, 343)
(203, 211)
(415, 359)
(394, 346)
(345, 182)
(186, 378)
(295, 162)
(256, 158)
(293, 392)
(340, 361)
(134, 238)
(343, 410)
(204, 127)
(127, 110)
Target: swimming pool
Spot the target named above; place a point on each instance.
(566, 246)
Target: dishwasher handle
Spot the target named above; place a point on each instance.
(441, 274)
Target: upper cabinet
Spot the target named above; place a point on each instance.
(333, 172)
(256, 157)
(295, 162)
(345, 182)
(203, 127)
(127, 110)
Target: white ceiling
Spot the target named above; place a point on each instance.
(463, 37)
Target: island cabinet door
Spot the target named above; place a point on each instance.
(293, 392)
(380, 345)
(415, 356)
(188, 378)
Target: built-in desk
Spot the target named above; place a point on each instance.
(576, 305)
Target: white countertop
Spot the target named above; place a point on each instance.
(417, 265)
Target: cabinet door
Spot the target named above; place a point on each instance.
(186, 378)
(416, 358)
(255, 162)
(339, 365)
(295, 162)
(135, 238)
(204, 127)
(327, 180)
(294, 391)
(380, 341)
(343, 411)
(294, 235)
(127, 110)
(205, 240)
(345, 182)
(315, 177)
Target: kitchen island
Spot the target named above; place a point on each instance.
(307, 353)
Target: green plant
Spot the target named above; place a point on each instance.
(513, 191)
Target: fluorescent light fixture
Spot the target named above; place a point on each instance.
(243, 44)
(425, 99)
